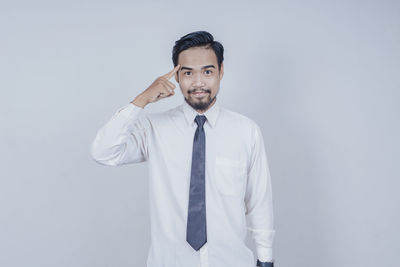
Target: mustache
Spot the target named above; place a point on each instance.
(199, 90)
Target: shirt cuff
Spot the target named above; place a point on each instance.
(264, 254)
(130, 111)
(265, 263)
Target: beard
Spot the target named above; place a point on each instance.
(201, 104)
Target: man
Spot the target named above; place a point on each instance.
(208, 171)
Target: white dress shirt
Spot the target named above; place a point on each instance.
(237, 181)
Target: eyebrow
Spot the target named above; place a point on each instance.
(204, 67)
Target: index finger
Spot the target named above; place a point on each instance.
(172, 72)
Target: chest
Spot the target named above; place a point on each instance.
(225, 146)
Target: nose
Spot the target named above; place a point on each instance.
(198, 81)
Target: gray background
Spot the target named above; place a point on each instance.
(321, 78)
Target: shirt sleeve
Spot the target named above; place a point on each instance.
(123, 139)
(258, 199)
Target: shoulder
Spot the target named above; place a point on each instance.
(238, 119)
(163, 116)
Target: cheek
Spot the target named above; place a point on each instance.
(185, 83)
(214, 82)
(184, 87)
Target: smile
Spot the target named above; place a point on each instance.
(199, 94)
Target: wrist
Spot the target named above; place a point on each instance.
(140, 101)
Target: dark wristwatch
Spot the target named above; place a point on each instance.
(265, 264)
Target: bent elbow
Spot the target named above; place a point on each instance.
(98, 155)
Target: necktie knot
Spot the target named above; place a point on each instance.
(200, 119)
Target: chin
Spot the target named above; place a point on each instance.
(202, 104)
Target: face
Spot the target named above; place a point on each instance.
(199, 77)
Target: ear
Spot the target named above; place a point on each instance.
(221, 72)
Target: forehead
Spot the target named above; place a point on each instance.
(197, 57)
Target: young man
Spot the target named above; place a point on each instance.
(208, 170)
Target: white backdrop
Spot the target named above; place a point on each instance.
(321, 78)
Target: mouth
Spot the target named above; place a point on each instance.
(199, 94)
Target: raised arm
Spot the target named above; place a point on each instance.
(125, 138)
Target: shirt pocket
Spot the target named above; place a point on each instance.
(230, 176)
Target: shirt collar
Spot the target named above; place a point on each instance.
(211, 114)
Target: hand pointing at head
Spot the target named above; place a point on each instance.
(160, 88)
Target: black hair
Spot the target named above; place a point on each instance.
(198, 39)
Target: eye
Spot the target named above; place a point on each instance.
(187, 72)
(208, 71)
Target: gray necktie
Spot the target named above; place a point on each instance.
(196, 232)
